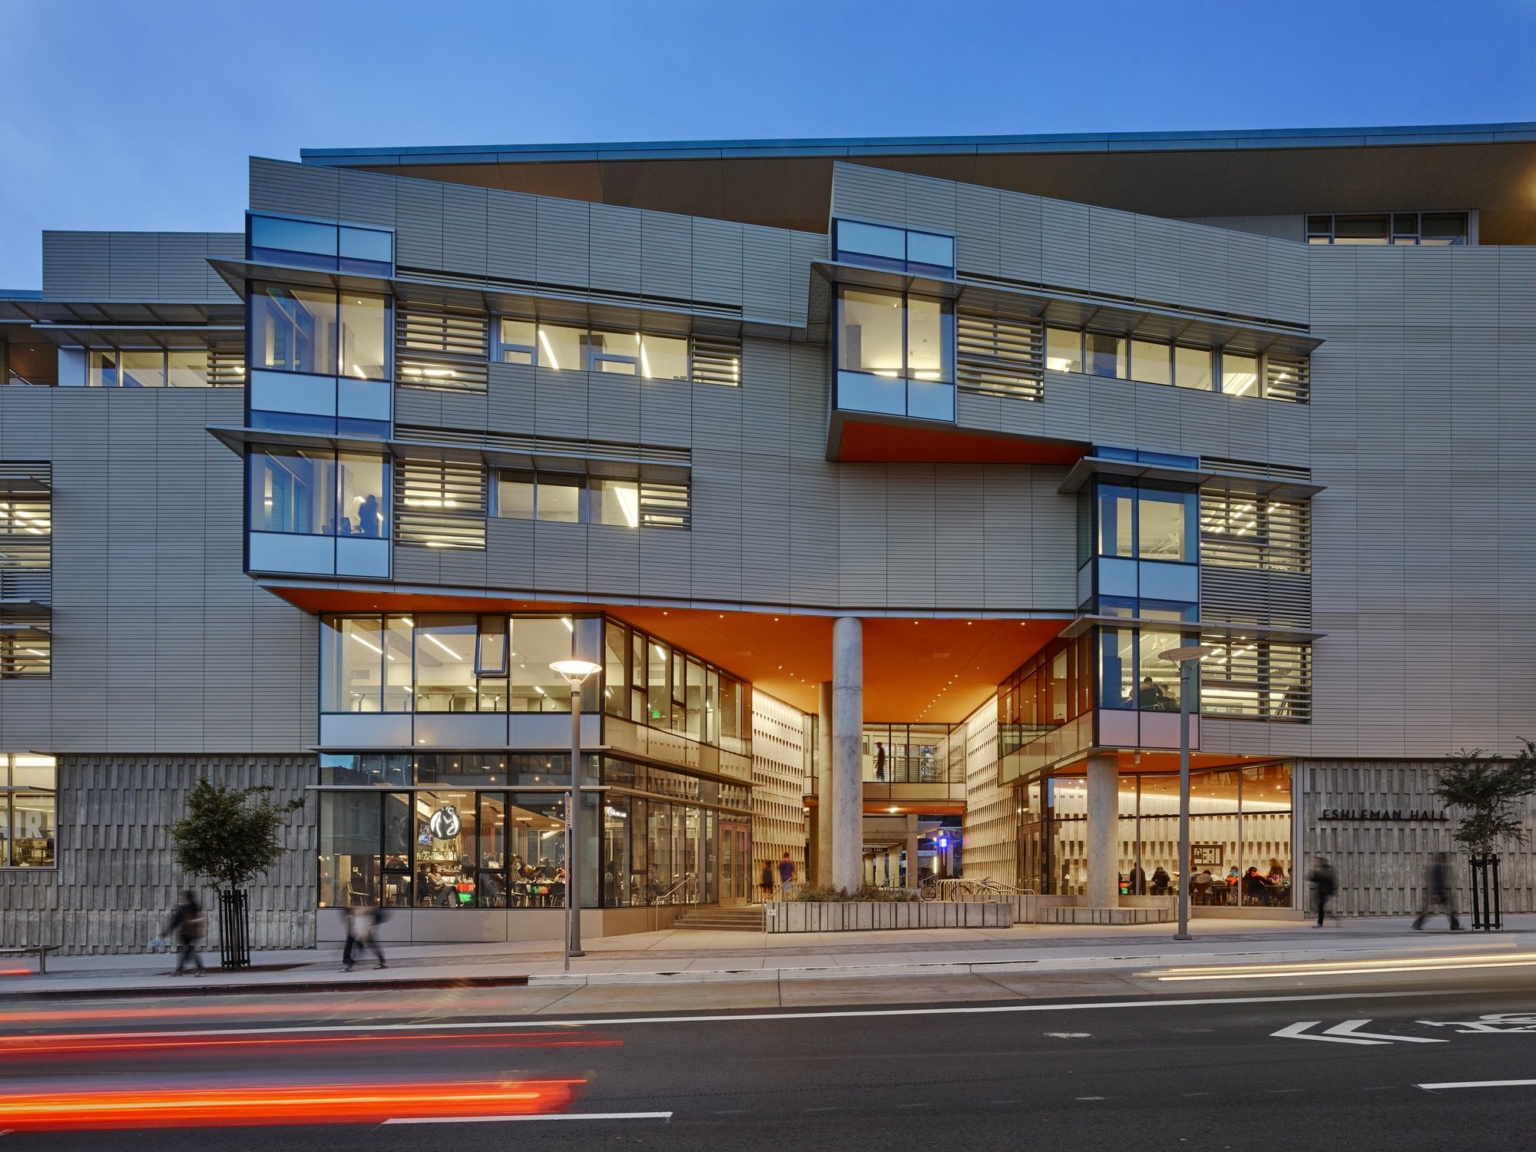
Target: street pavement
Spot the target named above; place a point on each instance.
(1429, 1050)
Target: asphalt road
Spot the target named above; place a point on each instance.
(1196, 1068)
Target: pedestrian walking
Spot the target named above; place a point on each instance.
(1437, 892)
(187, 926)
(765, 882)
(362, 928)
(1324, 883)
(879, 762)
(786, 874)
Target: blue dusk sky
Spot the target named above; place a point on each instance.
(140, 114)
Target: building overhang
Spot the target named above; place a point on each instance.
(1276, 632)
(1191, 175)
(1116, 315)
(865, 437)
(1277, 487)
(557, 304)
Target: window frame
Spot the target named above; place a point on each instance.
(10, 791)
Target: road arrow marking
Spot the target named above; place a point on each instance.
(1347, 1033)
(1297, 1032)
(1351, 1028)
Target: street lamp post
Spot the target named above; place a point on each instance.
(574, 672)
(1188, 659)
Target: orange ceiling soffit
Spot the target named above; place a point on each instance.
(867, 442)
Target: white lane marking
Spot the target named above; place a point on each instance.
(1090, 1097)
(1352, 1028)
(531, 1116)
(1297, 1031)
(1071, 1035)
(850, 1014)
(1478, 1084)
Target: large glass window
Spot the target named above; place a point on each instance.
(293, 490)
(890, 335)
(1147, 523)
(293, 329)
(537, 643)
(1104, 355)
(1151, 362)
(1239, 374)
(316, 492)
(1192, 368)
(581, 500)
(28, 811)
(871, 338)
(1063, 350)
(364, 335)
(445, 664)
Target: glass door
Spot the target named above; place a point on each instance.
(1032, 864)
(735, 864)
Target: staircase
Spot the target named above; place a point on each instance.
(714, 918)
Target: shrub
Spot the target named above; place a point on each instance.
(866, 894)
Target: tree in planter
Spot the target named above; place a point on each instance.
(1487, 789)
(231, 836)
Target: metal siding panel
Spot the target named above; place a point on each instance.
(1020, 245)
(717, 261)
(366, 197)
(666, 256)
(419, 224)
(280, 186)
(465, 227)
(616, 247)
(562, 243)
(511, 235)
(978, 230)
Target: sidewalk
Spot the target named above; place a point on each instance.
(682, 957)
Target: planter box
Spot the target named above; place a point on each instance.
(850, 916)
(1075, 910)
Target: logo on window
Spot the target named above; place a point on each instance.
(444, 824)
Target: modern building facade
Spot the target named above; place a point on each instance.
(876, 476)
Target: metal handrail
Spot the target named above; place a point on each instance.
(665, 897)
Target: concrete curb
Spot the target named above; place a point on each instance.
(972, 967)
(215, 986)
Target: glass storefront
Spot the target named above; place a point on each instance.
(486, 830)
(1240, 835)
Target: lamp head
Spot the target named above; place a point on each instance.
(575, 671)
(1193, 652)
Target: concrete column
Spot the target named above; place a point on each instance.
(1103, 832)
(824, 835)
(847, 731)
(911, 851)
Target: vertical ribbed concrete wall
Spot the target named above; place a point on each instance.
(117, 878)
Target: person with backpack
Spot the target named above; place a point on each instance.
(188, 927)
(1437, 892)
(1324, 883)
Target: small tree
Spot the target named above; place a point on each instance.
(1487, 790)
(231, 836)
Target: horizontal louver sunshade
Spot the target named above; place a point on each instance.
(26, 533)
(226, 365)
(442, 348)
(1000, 356)
(22, 658)
(1243, 531)
(1287, 378)
(440, 504)
(717, 360)
(664, 505)
(1256, 679)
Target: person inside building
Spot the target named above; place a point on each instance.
(1160, 881)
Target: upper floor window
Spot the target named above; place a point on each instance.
(317, 330)
(1271, 376)
(319, 492)
(894, 335)
(590, 500)
(1145, 523)
(1437, 228)
(902, 249)
(319, 244)
(28, 811)
(160, 368)
(648, 355)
